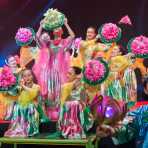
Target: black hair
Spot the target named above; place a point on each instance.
(93, 27)
(77, 70)
(145, 82)
(123, 50)
(145, 63)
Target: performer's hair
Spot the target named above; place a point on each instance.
(77, 70)
(93, 27)
(145, 63)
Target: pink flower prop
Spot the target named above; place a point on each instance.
(125, 20)
(140, 45)
(24, 35)
(94, 70)
(110, 31)
(7, 79)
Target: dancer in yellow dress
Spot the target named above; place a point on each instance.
(25, 119)
(90, 45)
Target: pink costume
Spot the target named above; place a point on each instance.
(50, 70)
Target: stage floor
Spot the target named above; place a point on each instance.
(89, 142)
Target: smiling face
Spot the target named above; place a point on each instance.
(91, 33)
(27, 76)
(12, 62)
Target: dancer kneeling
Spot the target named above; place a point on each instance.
(71, 122)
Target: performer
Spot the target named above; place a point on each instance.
(129, 78)
(74, 121)
(51, 66)
(116, 86)
(89, 47)
(25, 120)
(8, 97)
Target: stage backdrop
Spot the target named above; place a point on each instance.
(80, 13)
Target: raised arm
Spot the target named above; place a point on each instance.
(38, 35)
(39, 32)
(70, 31)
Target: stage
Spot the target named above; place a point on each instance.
(90, 142)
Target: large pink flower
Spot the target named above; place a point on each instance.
(140, 45)
(24, 35)
(110, 31)
(94, 70)
(7, 78)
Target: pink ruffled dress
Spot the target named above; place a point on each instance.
(50, 70)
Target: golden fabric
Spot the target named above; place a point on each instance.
(25, 56)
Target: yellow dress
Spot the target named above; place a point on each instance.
(88, 47)
(120, 76)
(29, 95)
(25, 115)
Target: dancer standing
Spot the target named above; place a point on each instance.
(51, 65)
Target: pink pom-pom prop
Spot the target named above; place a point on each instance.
(94, 70)
(24, 36)
(140, 45)
(7, 79)
(110, 31)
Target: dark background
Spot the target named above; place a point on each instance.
(80, 13)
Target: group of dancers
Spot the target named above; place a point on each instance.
(52, 88)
